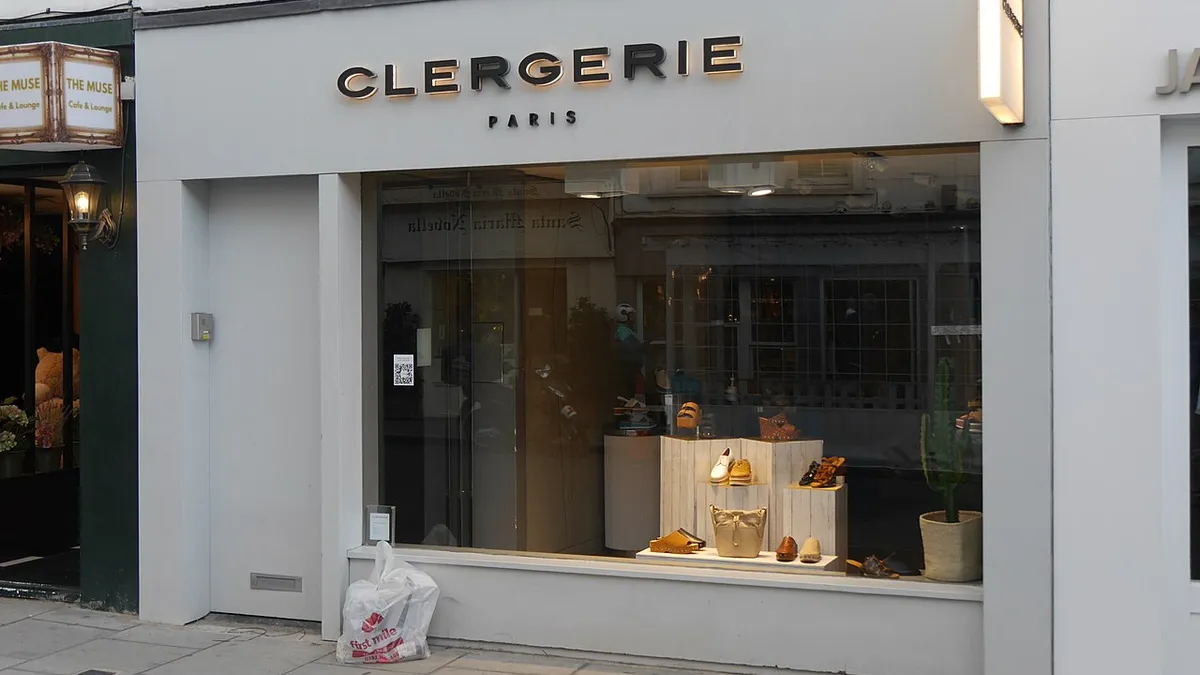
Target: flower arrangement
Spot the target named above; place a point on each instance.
(51, 418)
(14, 427)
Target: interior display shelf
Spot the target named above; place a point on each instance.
(765, 562)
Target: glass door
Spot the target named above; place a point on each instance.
(39, 388)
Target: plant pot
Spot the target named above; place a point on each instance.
(10, 463)
(46, 460)
(953, 551)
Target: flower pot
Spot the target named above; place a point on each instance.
(10, 463)
(953, 551)
(46, 460)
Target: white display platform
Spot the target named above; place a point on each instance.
(631, 486)
(765, 562)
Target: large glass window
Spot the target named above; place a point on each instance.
(692, 361)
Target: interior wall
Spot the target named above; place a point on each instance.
(265, 389)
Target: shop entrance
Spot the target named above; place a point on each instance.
(39, 346)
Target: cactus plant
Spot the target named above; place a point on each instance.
(942, 448)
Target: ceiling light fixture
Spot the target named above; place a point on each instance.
(761, 191)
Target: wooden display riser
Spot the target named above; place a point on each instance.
(803, 512)
(765, 562)
(687, 494)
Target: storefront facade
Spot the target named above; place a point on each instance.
(72, 525)
(341, 202)
(1124, 135)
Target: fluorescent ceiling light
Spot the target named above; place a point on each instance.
(594, 182)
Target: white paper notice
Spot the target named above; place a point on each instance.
(90, 95)
(21, 95)
(380, 528)
(402, 370)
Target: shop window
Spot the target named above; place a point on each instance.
(590, 340)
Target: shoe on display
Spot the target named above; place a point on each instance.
(720, 471)
(810, 552)
(740, 473)
(677, 542)
(808, 477)
(688, 416)
(874, 567)
(786, 551)
(828, 472)
(662, 381)
(777, 428)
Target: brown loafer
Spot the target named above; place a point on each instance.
(786, 551)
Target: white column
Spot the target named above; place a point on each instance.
(1120, 275)
(1016, 393)
(340, 305)
(173, 451)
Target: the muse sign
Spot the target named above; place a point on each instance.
(540, 69)
(55, 96)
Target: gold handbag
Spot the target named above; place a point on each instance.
(739, 534)
(776, 428)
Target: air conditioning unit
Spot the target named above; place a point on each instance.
(750, 178)
(594, 182)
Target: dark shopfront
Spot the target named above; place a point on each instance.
(72, 524)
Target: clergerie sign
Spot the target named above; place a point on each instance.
(540, 69)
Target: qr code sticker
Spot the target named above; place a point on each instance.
(402, 370)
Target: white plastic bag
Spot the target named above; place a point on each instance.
(386, 617)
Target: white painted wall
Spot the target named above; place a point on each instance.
(265, 394)
(1120, 340)
(710, 616)
(817, 75)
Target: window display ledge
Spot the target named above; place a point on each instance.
(609, 567)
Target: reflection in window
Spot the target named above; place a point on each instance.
(560, 333)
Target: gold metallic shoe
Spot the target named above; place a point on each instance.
(676, 542)
(740, 473)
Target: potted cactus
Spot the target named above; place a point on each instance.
(952, 538)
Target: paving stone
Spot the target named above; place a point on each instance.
(16, 610)
(438, 658)
(33, 638)
(260, 656)
(86, 617)
(523, 664)
(187, 637)
(113, 655)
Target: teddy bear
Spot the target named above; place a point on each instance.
(48, 393)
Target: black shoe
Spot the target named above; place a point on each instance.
(811, 475)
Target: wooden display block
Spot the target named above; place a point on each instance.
(739, 497)
(684, 466)
(780, 463)
(765, 562)
(813, 512)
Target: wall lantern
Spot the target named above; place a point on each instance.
(82, 187)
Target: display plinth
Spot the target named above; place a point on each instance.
(685, 464)
(631, 487)
(812, 512)
(686, 494)
(765, 562)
